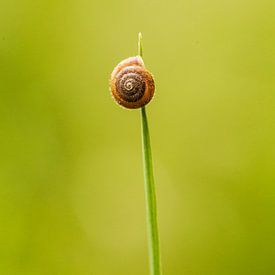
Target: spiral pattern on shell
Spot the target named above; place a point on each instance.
(132, 86)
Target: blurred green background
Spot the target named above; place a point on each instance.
(71, 182)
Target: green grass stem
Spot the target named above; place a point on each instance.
(150, 194)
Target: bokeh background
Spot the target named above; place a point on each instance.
(71, 182)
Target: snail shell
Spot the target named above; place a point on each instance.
(132, 86)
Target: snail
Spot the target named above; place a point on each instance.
(132, 86)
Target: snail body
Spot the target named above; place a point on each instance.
(132, 86)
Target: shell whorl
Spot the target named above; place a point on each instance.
(132, 86)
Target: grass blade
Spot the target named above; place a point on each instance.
(150, 194)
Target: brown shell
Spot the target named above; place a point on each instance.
(132, 86)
